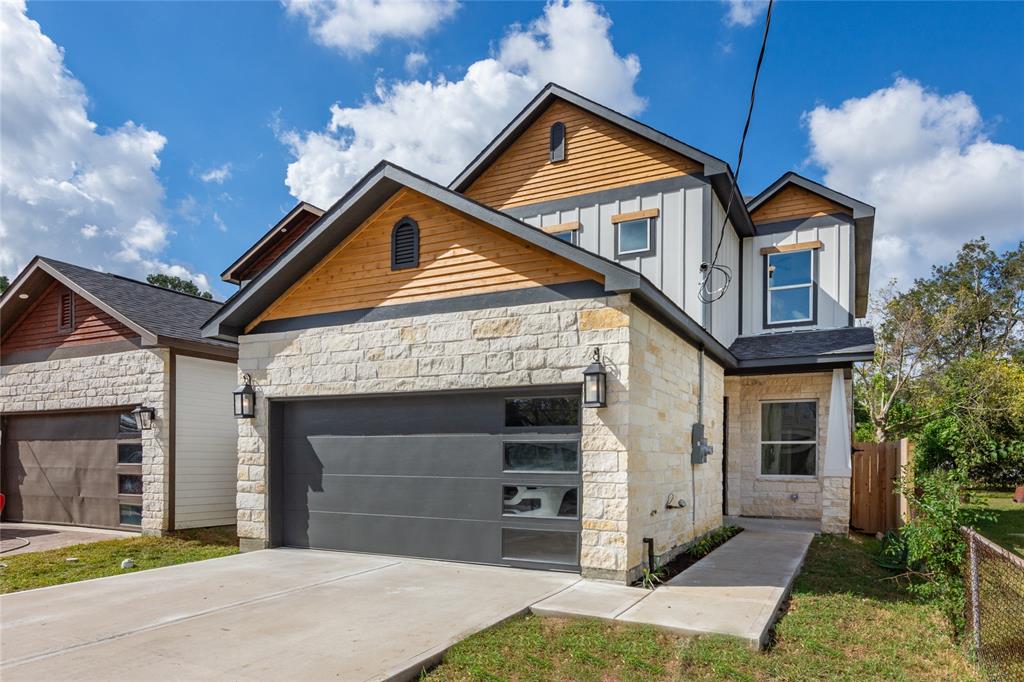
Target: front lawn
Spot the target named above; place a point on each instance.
(1007, 527)
(99, 559)
(845, 621)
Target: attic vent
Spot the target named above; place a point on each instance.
(66, 313)
(557, 147)
(405, 244)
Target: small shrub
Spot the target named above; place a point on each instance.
(710, 541)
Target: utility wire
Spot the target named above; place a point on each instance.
(706, 294)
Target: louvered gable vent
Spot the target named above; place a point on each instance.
(405, 244)
(66, 314)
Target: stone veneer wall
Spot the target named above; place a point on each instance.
(536, 344)
(749, 494)
(664, 392)
(111, 380)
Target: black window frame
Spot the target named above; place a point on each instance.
(556, 142)
(766, 297)
(405, 223)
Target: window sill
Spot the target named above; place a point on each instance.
(784, 477)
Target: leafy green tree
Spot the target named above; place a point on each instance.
(4, 283)
(185, 286)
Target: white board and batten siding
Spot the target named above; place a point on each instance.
(835, 268)
(206, 443)
(724, 312)
(678, 239)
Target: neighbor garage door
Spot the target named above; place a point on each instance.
(80, 468)
(488, 477)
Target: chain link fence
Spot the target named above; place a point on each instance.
(995, 607)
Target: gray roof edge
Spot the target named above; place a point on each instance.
(689, 327)
(251, 251)
(806, 360)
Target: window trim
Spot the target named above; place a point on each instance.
(405, 221)
(70, 326)
(647, 250)
(813, 287)
(761, 443)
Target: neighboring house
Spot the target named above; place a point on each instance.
(80, 351)
(418, 354)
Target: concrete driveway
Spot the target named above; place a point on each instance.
(281, 614)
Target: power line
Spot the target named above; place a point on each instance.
(706, 294)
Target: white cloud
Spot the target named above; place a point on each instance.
(436, 127)
(924, 161)
(354, 26)
(69, 189)
(217, 175)
(744, 12)
(219, 222)
(414, 61)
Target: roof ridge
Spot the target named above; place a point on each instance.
(129, 279)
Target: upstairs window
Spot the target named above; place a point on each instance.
(66, 312)
(790, 288)
(633, 236)
(789, 438)
(405, 244)
(556, 148)
(568, 236)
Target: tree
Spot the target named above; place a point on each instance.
(4, 283)
(185, 286)
(973, 307)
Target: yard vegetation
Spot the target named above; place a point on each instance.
(848, 619)
(100, 559)
(1005, 525)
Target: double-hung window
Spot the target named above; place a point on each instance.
(789, 438)
(790, 283)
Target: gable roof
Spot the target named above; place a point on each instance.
(716, 170)
(383, 181)
(863, 221)
(302, 211)
(160, 316)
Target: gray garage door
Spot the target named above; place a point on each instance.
(79, 468)
(487, 477)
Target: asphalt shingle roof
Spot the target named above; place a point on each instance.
(158, 310)
(822, 342)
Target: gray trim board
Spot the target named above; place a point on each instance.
(714, 168)
(228, 274)
(608, 196)
(804, 223)
(500, 299)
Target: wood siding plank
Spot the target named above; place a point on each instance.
(459, 255)
(598, 155)
(795, 202)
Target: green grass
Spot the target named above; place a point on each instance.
(98, 559)
(1007, 529)
(846, 621)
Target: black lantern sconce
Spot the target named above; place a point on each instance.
(595, 383)
(144, 417)
(245, 399)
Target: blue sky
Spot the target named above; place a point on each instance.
(932, 90)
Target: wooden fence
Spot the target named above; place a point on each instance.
(876, 505)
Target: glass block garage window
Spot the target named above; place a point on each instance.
(789, 432)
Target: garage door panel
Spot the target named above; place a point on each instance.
(456, 498)
(457, 540)
(413, 455)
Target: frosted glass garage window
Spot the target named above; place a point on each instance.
(130, 514)
(542, 457)
(547, 546)
(540, 501)
(789, 445)
(549, 411)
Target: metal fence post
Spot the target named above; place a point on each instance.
(972, 554)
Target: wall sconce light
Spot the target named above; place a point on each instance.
(144, 417)
(595, 383)
(245, 399)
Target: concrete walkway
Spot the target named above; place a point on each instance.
(277, 615)
(736, 590)
(22, 538)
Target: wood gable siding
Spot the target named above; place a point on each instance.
(38, 327)
(459, 256)
(795, 202)
(276, 248)
(598, 155)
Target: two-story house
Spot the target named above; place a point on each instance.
(532, 366)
